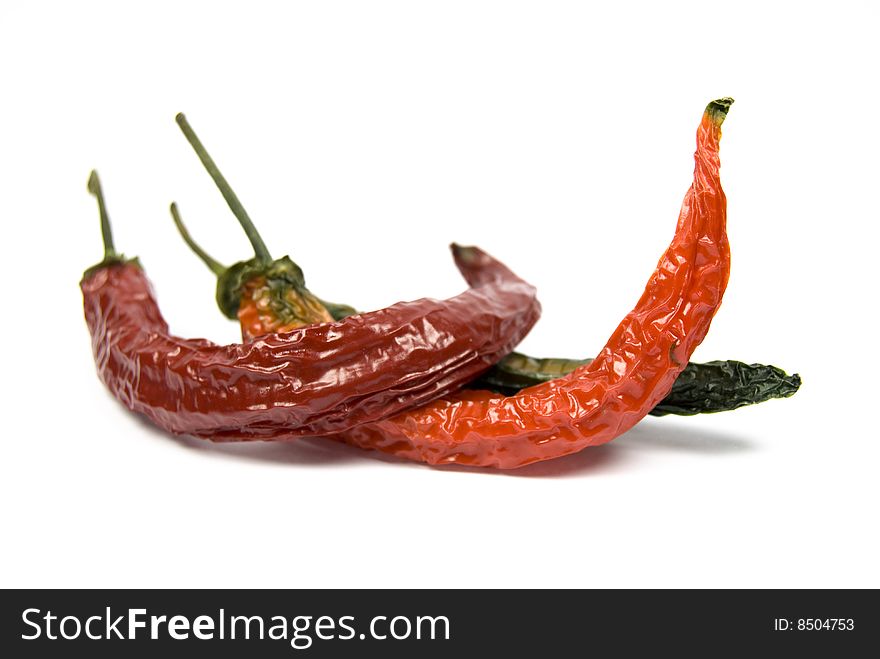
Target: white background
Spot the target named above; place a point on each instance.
(364, 137)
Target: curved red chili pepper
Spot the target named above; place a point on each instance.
(633, 372)
(318, 379)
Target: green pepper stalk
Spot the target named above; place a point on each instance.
(111, 256)
(264, 294)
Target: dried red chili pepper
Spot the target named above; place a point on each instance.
(313, 380)
(634, 371)
(700, 389)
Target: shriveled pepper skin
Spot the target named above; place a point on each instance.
(717, 386)
(634, 371)
(314, 380)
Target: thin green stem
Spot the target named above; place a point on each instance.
(213, 265)
(106, 233)
(235, 206)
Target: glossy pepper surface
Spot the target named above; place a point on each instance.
(634, 371)
(314, 380)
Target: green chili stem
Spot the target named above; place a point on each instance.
(215, 266)
(106, 233)
(235, 206)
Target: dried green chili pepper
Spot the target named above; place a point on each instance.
(716, 386)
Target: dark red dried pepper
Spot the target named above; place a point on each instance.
(314, 380)
(603, 399)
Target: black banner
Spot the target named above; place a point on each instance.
(317, 623)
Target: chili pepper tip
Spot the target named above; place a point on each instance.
(463, 253)
(718, 109)
(94, 184)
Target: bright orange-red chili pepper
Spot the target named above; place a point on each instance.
(633, 372)
(257, 314)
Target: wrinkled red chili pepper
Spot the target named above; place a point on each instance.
(601, 400)
(314, 380)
